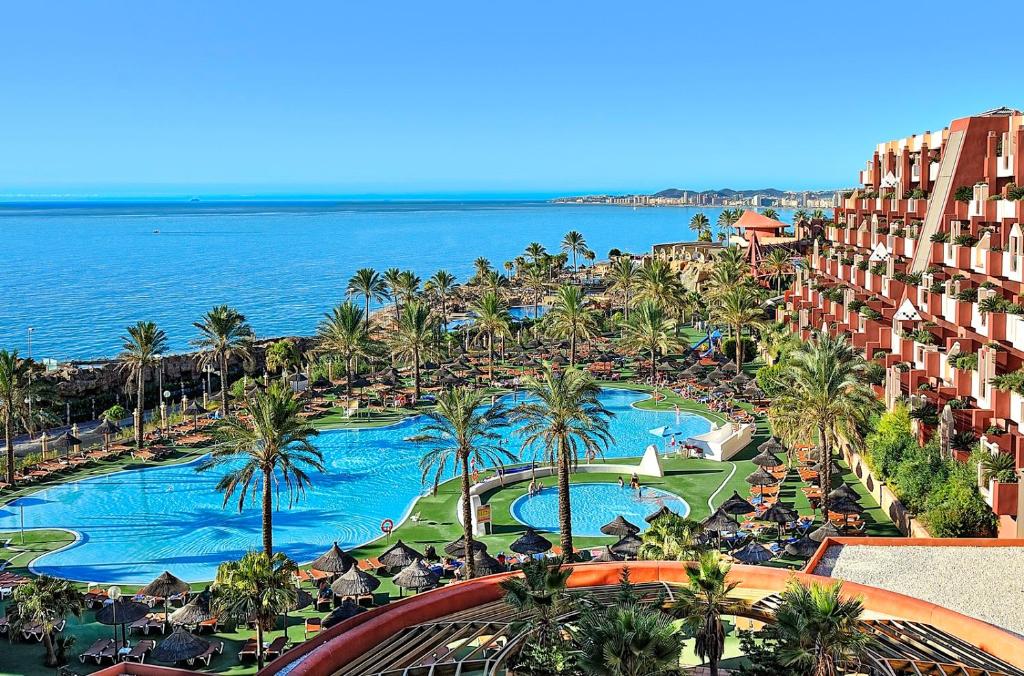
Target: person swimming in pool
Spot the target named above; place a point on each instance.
(622, 484)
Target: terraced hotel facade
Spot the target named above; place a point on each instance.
(924, 268)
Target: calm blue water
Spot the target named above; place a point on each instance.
(135, 524)
(79, 274)
(594, 505)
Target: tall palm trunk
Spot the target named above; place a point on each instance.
(51, 657)
(444, 310)
(467, 518)
(416, 372)
(654, 357)
(490, 357)
(140, 407)
(268, 512)
(825, 462)
(366, 312)
(348, 375)
(572, 348)
(625, 306)
(739, 348)
(259, 646)
(224, 384)
(9, 444)
(564, 505)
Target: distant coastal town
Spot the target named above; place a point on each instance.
(725, 197)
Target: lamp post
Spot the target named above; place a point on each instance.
(114, 594)
(28, 423)
(163, 409)
(31, 330)
(160, 388)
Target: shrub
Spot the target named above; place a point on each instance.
(967, 295)
(862, 265)
(874, 373)
(965, 239)
(115, 413)
(915, 475)
(870, 313)
(965, 362)
(749, 349)
(769, 379)
(1015, 192)
(855, 305)
(940, 237)
(955, 508)
(964, 193)
(890, 441)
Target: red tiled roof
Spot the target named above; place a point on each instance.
(751, 220)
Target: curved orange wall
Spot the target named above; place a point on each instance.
(333, 650)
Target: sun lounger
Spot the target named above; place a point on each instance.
(215, 648)
(150, 622)
(95, 650)
(110, 651)
(139, 651)
(313, 626)
(276, 647)
(213, 624)
(248, 650)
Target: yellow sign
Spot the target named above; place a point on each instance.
(483, 514)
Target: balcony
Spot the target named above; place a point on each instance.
(1004, 166)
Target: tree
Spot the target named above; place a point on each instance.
(738, 308)
(770, 213)
(777, 266)
(628, 639)
(367, 282)
(659, 284)
(492, 319)
(728, 218)
(441, 284)
(703, 602)
(535, 251)
(408, 285)
(1001, 467)
(493, 282)
(540, 595)
(140, 349)
(481, 266)
(16, 386)
(799, 217)
(461, 431)
(393, 282)
(700, 223)
(671, 538)
(224, 333)
(257, 588)
(46, 601)
(413, 339)
(283, 355)
(573, 243)
(569, 317)
(563, 417)
(824, 396)
(342, 332)
(536, 282)
(818, 629)
(651, 330)
(624, 277)
(268, 449)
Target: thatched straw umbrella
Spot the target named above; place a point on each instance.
(761, 478)
(179, 646)
(334, 560)
(416, 576)
(120, 612)
(719, 522)
(606, 555)
(164, 586)
(628, 546)
(108, 429)
(530, 543)
(195, 409)
(825, 531)
(766, 459)
(345, 611)
(663, 512)
(772, 446)
(780, 515)
(485, 564)
(355, 582)
(846, 507)
(619, 527)
(754, 553)
(736, 505)
(398, 556)
(67, 441)
(802, 548)
(194, 612)
(844, 491)
(457, 548)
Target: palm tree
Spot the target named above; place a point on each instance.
(342, 332)
(413, 339)
(140, 349)
(393, 282)
(799, 216)
(570, 317)
(574, 243)
(825, 396)
(367, 282)
(563, 417)
(441, 283)
(699, 223)
(702, 604)
(46, 601)
(272, 446)
(224, 333)
(535, 251)
(481, 266)
(257, 588)
(727, 219)
(629, 639)
(16, 386)
(818, 630)
(509, 267)
(461, 431)
(738, 308)
(493, 282)
(777, 266)
(660, 284)
(671, 538)
(1000, 467)
(408, 285)
(770, 213)
(818, 215)
(651, 330)
(492, 319)
(283, 354)
(624, 277)
(536, 281)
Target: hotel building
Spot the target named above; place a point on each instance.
(924, 269)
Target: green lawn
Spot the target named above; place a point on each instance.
(695, 480)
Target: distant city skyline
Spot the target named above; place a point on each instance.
(462, 99)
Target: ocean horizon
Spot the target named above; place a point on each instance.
(79, 272)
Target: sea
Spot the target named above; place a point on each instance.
(75, 274)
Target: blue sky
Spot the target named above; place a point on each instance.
(477, 97)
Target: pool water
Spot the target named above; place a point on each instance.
(594, 505)
(134, 524)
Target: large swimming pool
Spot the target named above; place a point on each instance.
(134, 524)
(594, 505)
